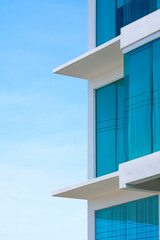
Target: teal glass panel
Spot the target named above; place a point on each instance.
(136, 9)
(110, 223)
(111, 16)
(106, 129)
(156, 95)
(138, 101)
(152, 218)
(126, 97)
(119, 16)
(120, 123)
(105, 21)
(109, 128)
(131, 220)
(120, 3)
(134, 220)
(142, 229)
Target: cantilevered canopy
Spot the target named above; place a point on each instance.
(92, 188)
(95, 62)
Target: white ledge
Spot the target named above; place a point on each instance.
(92, 188)
(110, 54)
(142, 31)
(139, 171)
(95, 62)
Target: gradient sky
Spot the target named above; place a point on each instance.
(43, 123)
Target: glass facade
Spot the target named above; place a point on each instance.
(111, 16)
(156, 96)
(105, 21)
(109, 127)
(128, 111)
(142, 101)
(138, 104)
(134, 220)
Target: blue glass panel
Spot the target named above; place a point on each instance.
(105, 21)
(110, 223)
(119, 16)
(136, 9)
(153, 219)
(109, 127)
(134, 220)
(106, 129)
(141, 218)
(131, 224)
(156, 95)
(120, 3)
(120, 123)
(111, 16)
(138, 101)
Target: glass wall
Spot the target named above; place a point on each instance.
(128, 111)
(134, 220)
(109, 127)
(135, 9)
(156, 96)
(138, 103)
(142, 101)
(111, 16)
(105, 21)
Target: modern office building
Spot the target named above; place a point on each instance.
(122, 67)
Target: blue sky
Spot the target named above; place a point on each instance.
(43, 123)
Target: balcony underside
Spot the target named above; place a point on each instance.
(141, 174)
(92, 188)
(150, 185)
(95, 62)
(109, 55)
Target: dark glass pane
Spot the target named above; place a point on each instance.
(119, 16)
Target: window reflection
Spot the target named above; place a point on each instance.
(111, 16)
(133, 220)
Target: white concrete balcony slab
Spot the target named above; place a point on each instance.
(141, 173)
(140, 32)
(110, 54)
(95, 62)
(92, 188)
